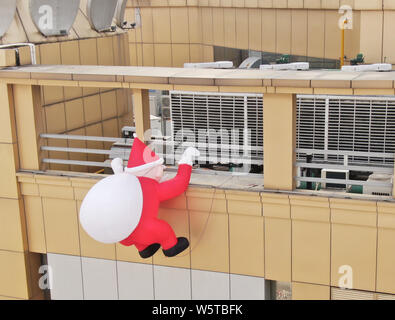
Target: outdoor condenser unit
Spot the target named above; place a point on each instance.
(377, 190)
(194, 112)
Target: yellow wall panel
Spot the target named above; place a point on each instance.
(388, 43)
(385, 260)
(78, 156)
(246, 245)
(70, 54)
(354, 246)
(55, 118)
(332, 35)
(147, 34)
(179, 221)
(133, 54)
(163, 55)
(179, 25)
(9, 165)
(204, 233)
(372, 36)
(307, 291)
(230, 27)
(12, 225)
(283, 34)
(278, 249)
(180, 55)
(316, 33)
(279, 129)
(218, 27)
(254, 29)
(129, 254)
(265, 3)
(105, 53)
(251, 3)
(13, 278)
(196, 53)
(50, 54)
(7, 115)
(74, 110)
(242, 28)
(207, 25)
(295, 4)
(238, 3)
(208, 54)
(108, 104)
(139, 50)
(110, 129)
(206, 200)
(299, 32)
(61, 226)
(269, 30)
(92, 109)
(311, 246)
(312, 4)
(195, 25)
(246, 203)
(95, 130)
(162, 28)
(89, 56)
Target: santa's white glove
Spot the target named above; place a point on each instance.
(188, 155)
(117, 165)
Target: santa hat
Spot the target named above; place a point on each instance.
(141, 157)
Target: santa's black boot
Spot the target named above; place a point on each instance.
(149, 251)
(180, 246)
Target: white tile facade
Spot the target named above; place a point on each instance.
(135, 281)
(246, 287)
(80, 278)
(66, 277)
(99, 277)
(172, 283)
(207, 285)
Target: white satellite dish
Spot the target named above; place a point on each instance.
(7, 13)
(54, 17)
(120, 14)
(101, 13)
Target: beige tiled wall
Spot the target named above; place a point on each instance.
(85, 111)
(281, 237)
(305, 28)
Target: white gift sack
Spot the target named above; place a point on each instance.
(112, 208)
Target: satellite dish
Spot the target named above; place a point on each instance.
(120, 14)
(7, 13)
(54, 17)
(101, 13)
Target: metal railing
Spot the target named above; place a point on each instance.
(323, 164)
(169, 150)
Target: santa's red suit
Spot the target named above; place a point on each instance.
(152, 233)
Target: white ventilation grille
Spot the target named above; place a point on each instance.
(362, 124)
(234, 114)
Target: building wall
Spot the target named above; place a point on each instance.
(292, 238)
(174, 32)
(85, 111)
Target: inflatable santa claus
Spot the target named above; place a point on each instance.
(124, 207)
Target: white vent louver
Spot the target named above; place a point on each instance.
(211, 113)
(362, 124)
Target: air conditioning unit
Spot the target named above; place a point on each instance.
(286, 66)
(335, 174)
(368, 67)
(379, 191)
(210, 65)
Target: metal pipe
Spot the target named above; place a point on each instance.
(16, 45)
